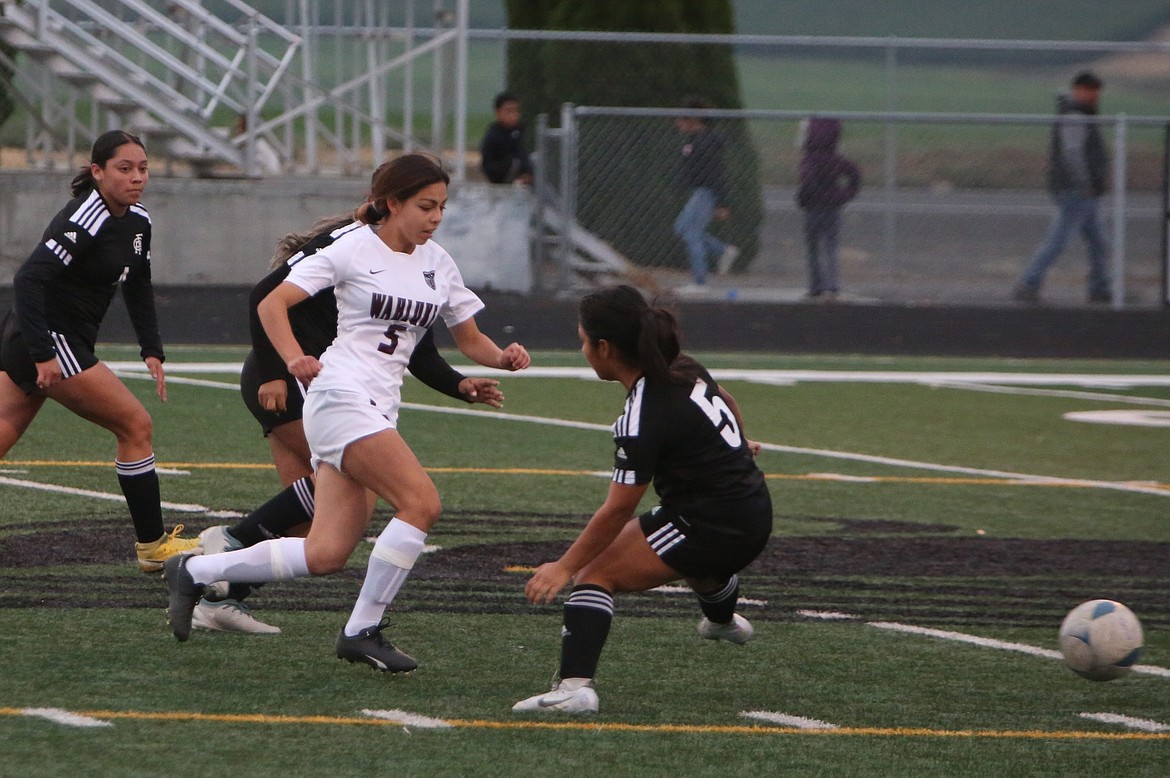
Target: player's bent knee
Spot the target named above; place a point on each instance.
(325, 562)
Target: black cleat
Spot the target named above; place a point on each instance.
(374, 650)
(184, 595)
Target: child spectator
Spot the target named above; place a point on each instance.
(828, 180)
(504, 158)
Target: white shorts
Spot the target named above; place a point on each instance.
(334, 419)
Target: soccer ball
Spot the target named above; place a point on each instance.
(1100, 640)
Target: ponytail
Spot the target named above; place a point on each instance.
(645, 337)
(658, 343)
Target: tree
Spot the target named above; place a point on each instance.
(627, 166)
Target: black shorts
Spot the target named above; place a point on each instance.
(74, 355)
(708, 541)
(269, 420)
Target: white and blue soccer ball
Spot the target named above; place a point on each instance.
(1100, 640)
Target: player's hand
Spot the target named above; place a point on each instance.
(482, 390)
(273, 395)
(155, 366)
(514, 357)
(48, 373)
(755, 447)
(546, 582)
(304, 368)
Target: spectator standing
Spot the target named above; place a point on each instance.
(1078, 171)
(504, 159)
(828, 180)
(704, 173)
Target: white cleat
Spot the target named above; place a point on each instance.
(217, 540)
(738, 631)
(575, 695)
(229, 616)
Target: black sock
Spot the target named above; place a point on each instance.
(276, 517)
(139, 483)
(720, 606)
(588, 614)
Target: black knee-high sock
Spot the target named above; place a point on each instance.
(276, 517)
(588, 614)
(139, 483)
(720, 606)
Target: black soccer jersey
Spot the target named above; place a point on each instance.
(684, 439)
(67, 283)
(314, 321)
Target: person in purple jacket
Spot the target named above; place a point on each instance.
(828, 180)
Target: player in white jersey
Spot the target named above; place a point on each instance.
(391, 284)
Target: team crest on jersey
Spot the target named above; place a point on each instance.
(138, 243)
(429, 277)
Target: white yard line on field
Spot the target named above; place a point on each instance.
(928, 378)
(974, 640)
(72, 490)
(407, 719)
(786, 720)
(1090, 380)
(65, 718)
(1146, 725)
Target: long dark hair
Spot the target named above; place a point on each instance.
(646, 337)
(103, 151)
(295, 241)
(400, 179)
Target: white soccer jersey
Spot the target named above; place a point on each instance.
(385, 303)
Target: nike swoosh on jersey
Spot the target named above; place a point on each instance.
(375, 272)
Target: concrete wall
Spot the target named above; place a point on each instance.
(222, 232)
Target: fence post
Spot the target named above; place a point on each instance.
(890, 157)
(461, 16)
(568, 210)
(1119, 183)
(1166, 218)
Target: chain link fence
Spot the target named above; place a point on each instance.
(950, 207)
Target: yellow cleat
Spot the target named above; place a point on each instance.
(152, 555)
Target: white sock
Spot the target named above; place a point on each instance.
(281, 559)
(393, 556)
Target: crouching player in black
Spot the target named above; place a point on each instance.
(682, 432)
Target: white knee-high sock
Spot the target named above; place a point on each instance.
(390, 562)
(273, 560)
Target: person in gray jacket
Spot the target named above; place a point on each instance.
(1078, 171)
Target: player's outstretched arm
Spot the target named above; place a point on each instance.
(479, 347)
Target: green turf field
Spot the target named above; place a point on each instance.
(931, 533)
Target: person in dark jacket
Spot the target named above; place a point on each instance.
(828, 180)
(504, 159)
(704, 174)
(1078, 172)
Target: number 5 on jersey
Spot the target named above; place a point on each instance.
(717, 411)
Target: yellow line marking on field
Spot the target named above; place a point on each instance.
(895, 479)
(601, 726)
